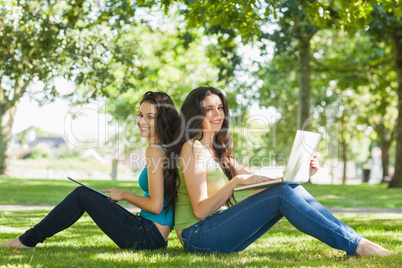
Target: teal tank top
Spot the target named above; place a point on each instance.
(162, 218)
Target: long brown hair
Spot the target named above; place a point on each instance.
(167, 117)
(167, 122)
(192, 114)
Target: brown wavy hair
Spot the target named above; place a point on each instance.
(167, 122)
(192, 115)
(167, 117)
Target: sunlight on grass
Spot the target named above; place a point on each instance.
(51, 192)
(16, 257)
(335, 197)
(132, 256)
(356, 196)
(6, 229)
(85, 245)
(35, 191)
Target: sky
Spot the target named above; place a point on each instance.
(49, 117)
(57, 117)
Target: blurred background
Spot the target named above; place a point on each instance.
(73, 72)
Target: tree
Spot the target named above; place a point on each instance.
(380, 111)
(247, 20)
(78, 40)
(383, 19)
(173, 65)
(347, 126)
(294, 36)
(279, 78)
(361, 64)
(339, 62)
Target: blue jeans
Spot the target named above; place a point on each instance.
(127, 230)
(235, 228)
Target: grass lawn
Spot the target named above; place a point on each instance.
(51, 192)
(84, 245)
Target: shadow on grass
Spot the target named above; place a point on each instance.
(105, 256)
(84, 244)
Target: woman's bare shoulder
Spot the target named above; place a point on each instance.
(191, 146)
(154, 150)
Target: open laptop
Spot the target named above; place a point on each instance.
(80, 183)
(303, 150)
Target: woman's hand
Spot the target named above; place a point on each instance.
(248, 179)
(314, 164)
(115, 195)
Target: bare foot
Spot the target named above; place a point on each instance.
(13, 243)
(367, 247)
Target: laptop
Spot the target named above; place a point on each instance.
(88, 187)
(304, 148)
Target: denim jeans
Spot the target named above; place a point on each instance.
(235, 228)
(127, 230)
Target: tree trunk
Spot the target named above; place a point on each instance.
(344, 146)
(8, 108)
(345, 161)
(304, 84)
(385, 144)
(6, 119)
(304, 31)
(397, 45)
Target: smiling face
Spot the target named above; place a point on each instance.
(214, 113)
(146, 121)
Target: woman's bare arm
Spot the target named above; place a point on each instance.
(154, 203)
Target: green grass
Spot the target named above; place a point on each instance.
(51, 192)
(85, 245)
(65, 164)
(357, 196)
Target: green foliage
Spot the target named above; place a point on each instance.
(76, 40)
(40, 151)
(65, 152)
(353, 81)
(242, 17)
(352, 15)
(172, 65)
(293, 26)
(363, 62)
(226, 23)
(112, 50)
(355, 62)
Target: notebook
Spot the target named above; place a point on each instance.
(88, 187)
(304, 148)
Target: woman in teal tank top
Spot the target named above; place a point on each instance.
(207, 175)
(157, 121)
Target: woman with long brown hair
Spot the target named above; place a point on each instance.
(157, 120)
(206, 175)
